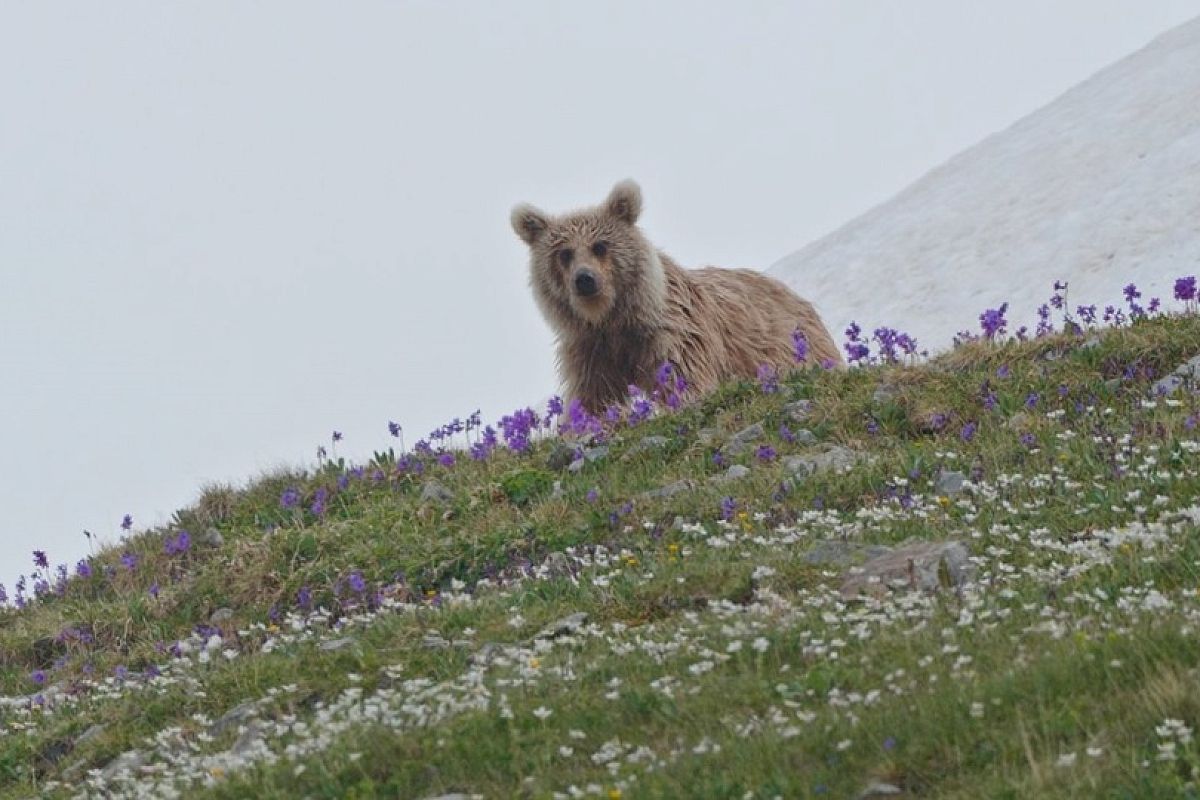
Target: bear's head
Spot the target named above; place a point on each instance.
(593, 266)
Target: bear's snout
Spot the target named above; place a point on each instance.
(585, 283)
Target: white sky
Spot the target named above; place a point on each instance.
(227, 229)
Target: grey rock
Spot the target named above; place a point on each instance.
(949, 483)
(434, 491)
(805, 436)
(921, 565)
(834, 551)
(743, 439)
(835, 457)
(647, 443)
(129, 761)
(91, 733)
(830, 551)
(486, 653)
(563, 627)
(556, 493)
(333, 645)
(798, 410)
(735, 473)
(1187, 373)
(1020, 421)
(248, 740)
(211, 538)
(221, 615)
(1090, 342)
(879, 789)
(706, 436)
(558, 564)
(670, 490)
(234, 717)
(434, 641)
(561, 456)
(883, 394)
(590, 456)
(593, 454)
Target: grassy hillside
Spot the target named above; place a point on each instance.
(643, 617)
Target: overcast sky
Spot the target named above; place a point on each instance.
(227, 229)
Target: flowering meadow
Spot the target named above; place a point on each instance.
(971, 575)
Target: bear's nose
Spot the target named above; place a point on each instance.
(585, 283)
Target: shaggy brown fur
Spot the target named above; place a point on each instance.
(620, 308)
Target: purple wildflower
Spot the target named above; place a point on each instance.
(968, 431)
(1044, 326)
(304, 598)
(38, 677)
(446, 460)
(83, 569)
(799, 346)
(318, 503)
(126, 522)
(356, 582)
(394, 428)
(593, 495)
(40, 560)
(765, 452)
(992, 321)
(581, 421)
(857, 351)
(153, 590)
(640, 407)
(554, 407)
(517, 428)
(768, 378)
(177, 545)
(337, 436)
(1031, 400)
(728, 508)
(290, 497)
(1185, 289)
(1028, 440)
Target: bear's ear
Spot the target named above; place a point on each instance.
(625, 202)
(529, 223)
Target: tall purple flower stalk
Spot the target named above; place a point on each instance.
(993, 323)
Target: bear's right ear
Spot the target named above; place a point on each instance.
(529, 223)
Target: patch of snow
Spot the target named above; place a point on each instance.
(1100, 188)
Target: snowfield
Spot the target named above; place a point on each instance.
(1100, 188)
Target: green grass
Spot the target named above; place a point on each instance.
(717, 659)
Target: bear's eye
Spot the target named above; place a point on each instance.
(599, 249)
(564, 257)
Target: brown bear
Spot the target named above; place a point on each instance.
(620, 308)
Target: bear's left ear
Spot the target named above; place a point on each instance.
(529, 223)
(625, 202)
